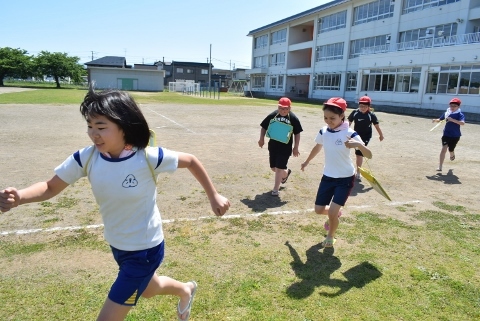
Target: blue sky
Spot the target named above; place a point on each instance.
(143, 31)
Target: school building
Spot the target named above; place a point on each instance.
(409, 56)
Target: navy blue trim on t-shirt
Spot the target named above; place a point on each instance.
(115, 160)
(160, 157)
(76, 157)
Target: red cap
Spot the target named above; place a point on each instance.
(455, 101)
(337, 102)
(365, 100)
(284, 102)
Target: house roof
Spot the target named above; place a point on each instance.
(298, 16)
(108, 61)
(191, 64)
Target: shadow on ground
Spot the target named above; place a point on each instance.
(264, 201)
(448, 178)
(318, 267)
(360, 187)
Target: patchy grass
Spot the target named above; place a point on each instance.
(273, 268)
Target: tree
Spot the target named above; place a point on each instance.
(59, 66)
(14, 63)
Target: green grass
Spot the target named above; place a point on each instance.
(272, 268)
(48, 94)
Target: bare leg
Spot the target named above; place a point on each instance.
(443, 152)
(112, 311)
(359, 160)
(163, 285)
(332, 212)
(158, 285)
(279, 175)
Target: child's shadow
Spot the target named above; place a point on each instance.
(359, 188)
(319, 266)
(449, 178)
(263, 201)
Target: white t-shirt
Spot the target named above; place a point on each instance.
(126, 192)
(337, 157)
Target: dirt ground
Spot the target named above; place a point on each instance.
(36, 138)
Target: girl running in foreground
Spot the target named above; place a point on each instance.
(339, 171)
(123, 175)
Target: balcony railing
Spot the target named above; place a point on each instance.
(456, 40)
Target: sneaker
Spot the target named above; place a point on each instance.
(274, 193)
(326, 226)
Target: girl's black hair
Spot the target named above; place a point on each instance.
(120, 108)
(334, 109)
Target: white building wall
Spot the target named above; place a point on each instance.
(146, 80)
(465, 13)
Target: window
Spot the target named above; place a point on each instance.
(415, 5)
(330, 52)
(276, 82)
(279, 36)
(332, 22)
(277, 59)
(189, 71)
(405, 80)
(261, 42)
(360, 45)
(204, 71)
(351, 84)
(258, 81)
(328, 81)
(260, 62)
(179, 71)
(426, 37)
(455, 80)
(375, 10)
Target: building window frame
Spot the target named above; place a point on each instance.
(375, 10)
(332, 22)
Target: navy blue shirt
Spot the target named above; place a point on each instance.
(451, 129)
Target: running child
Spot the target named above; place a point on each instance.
(280, 152)
(363, 117)
(454, 118)
(339, 171)
(123, 175)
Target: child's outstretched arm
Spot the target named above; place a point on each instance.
(314, 152)
(41, 191)
(219, 203)
(379, 131)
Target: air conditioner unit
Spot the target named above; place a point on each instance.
(430, 31)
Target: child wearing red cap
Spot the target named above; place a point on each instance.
(280, 152)
(363, 117)
(451, 133)
(339, 171)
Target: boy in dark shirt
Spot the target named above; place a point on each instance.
(280, 152)
(363, 118)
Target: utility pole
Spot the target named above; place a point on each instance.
(210, 69)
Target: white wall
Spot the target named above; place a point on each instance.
(107, 78)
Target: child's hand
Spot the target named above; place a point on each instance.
(381, 137)
(261, 142)
(303, 166)
(352, 143)
(219, 204)
(9, 199)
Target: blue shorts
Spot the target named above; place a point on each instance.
(334, 190)
(136, 269)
